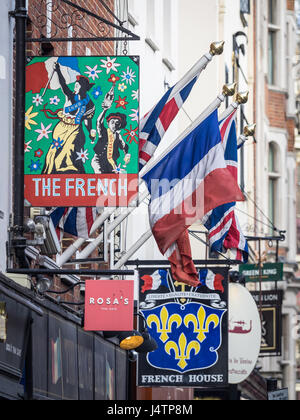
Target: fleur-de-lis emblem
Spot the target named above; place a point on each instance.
(182, 350)
(164, 323)
(201, 323)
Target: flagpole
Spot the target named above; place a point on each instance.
(228, 90)
(144, 238)
(49, 80)
(241, 98)
(111, 227)
(216, 48)
(249, 131)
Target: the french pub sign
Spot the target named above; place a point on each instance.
(81, 131)
(190, 326)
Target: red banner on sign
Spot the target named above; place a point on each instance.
(83, 190)
(109, 305)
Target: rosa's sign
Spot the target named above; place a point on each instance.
(109, 305)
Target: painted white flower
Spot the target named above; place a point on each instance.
(27, 147)
(82, 155)
(119, 170)
(135, 94)
(37, 100)
(122, 87)
(128, 76)
(135, 115)
(43, 131)
(55, 100)
(93, 72)
(110, 64)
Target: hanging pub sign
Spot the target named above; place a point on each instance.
(244, 333)
(109, 305)
(269, 272)
(270, 305)
(81, 131)
(189, 325)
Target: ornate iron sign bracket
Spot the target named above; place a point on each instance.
(89, 25)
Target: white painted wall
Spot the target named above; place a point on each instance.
(6, 74)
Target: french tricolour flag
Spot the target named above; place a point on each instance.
(156, 122)
(77, 221)
(185, 185)
(38, 74)
(211, 280)
(224, 231)
(155, 280)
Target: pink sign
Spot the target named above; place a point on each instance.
(109, 305)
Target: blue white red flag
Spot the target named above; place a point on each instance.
(224, 231)
(39, 74)
(211, 280)
(153, 282)
(156, 122)
(185, 185)
(76, 221)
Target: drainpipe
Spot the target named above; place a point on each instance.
(18, 240)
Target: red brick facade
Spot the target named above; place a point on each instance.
(290, 5)
(64, 16)
(276, 113)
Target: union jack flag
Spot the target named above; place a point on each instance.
(224, 231)
(77, 221)
(156, 122)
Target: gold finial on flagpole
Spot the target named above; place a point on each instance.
(217, 48)
(242, 97)
(229, 90)
(249, 130)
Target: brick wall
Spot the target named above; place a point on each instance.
(64, 16)
(276, 113)
(290, 5)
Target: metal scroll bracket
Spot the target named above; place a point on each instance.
(62, 15)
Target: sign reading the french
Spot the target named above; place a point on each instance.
(190, 326)
(81, 131)
(109, 305)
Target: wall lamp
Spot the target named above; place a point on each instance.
(236, 277)
(140, 341)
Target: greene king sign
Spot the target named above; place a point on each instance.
(269, 272)
(109, 305)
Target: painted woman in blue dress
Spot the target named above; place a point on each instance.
(64, 154)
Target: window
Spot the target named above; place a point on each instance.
(273, 182)
(273, 32)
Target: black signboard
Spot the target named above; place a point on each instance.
(62, 361)
(85, 365)
(13, 349)
(40, 364)
(270, 305)
(190, 326)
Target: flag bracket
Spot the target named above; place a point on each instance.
(80, 20)
(166, 263)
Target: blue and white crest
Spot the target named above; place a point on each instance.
(188, 336)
